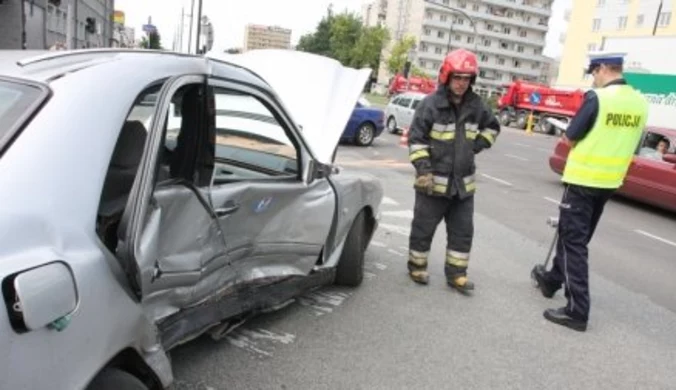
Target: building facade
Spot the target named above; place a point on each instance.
(374, 13)
(509, 40)
(42, 24)
(597, 20)
(266, 37)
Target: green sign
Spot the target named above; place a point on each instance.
(660, 91)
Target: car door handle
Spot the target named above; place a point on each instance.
(226, 210)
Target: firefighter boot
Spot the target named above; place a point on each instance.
(417, 266)
(456, 271)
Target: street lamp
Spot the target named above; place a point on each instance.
(463, 13)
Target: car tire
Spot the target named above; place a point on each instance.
(115, 379)
(391, 125)
(365, 135)
(505, 118)
(350, 269)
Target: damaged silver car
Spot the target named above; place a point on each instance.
(147, 198)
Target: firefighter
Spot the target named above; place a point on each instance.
(450, 126)
(604, 134)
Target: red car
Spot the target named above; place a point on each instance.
(652, 176)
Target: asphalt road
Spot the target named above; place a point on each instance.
(392, 334)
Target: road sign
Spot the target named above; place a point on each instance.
(535, 98)
(149, 28)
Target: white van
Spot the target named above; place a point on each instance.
(399, 111)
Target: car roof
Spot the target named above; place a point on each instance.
(670, 133)
(46, 66)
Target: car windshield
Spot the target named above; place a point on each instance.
(15, 100)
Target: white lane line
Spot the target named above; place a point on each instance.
(378, 244)
(390, 201)
(496, 179)
(516, 157)
(396, 252)
(544, 150)
(408, 214)
(523, 145)
(552, 200)
(654, 237)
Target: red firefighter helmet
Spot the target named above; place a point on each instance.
(458, 61)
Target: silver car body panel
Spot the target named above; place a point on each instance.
(283, 238)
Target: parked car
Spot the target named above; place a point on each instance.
(399, 111)
(365, 124)
(651, 178)
(182, 197)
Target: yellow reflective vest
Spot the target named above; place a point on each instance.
(602, 158)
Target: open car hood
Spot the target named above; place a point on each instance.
(318, 92)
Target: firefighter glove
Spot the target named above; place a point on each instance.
(425, 183)
(480, 144)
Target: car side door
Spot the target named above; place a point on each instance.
(402, 111)
(410, 112)
(170, 235)
(276, 214)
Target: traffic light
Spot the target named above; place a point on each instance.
(90, 25)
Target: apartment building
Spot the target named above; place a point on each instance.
(374, 13)
(509, 40)
(266, 37)
(597, 20)
(41, 24)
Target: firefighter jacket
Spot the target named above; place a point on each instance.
(444, 138)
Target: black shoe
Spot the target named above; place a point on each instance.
(559, 316)
(538, 274)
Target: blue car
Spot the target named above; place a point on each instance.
(366, 123)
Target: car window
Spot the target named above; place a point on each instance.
(395, 101)
(415, 104)
(405, 102)
(653, 146)
(15, 100)
(250, 142)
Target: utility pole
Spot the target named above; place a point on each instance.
(199, 26)
(657, 17)
(70, 25)
(192, 19)
(180, 30)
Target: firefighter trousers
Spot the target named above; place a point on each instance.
(458, 215)
(580, 212)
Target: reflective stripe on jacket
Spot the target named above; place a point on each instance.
(443, 136)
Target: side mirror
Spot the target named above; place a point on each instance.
(320, 171)
(39, 297)
(670, 158)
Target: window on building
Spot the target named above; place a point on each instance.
(443, 18)
(523, 33)
(664, 19)
(437, 50)
(487, 42)
(600, 3)
(428, 15)
(428, 31)
(519, 49)
(501, 61)
(484, 58)
(461, 4)
(622, 23)
(475, 7)
(591, 47)
(470, 39)
(422, 63)
(457, 37)
(446, 2)
(440, 34)
(504, 45)
(517, 63)
(640, 20)
(489, 27)
(482, 73)
(596, 25)
(507, 30)
(460, 21)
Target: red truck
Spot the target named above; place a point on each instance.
(399, 84)
(521, 98)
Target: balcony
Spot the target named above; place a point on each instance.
(507, 53)
(522, 5)
(466, 28)
(497, 16)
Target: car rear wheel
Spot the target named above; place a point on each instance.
(115, 379)
(350, 269)
(391, 125)
(366, 134)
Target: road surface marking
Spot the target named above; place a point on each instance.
(381, 267)
(496, 179)
(544, 150)
(396, 253)
(321, 302)
(408, 214)
(523, 145)
(378, 244)
(516, 157)
(249, 339)
(369, 275)
(390, 201)
(654, 237)
(404, 231)
(552, 200)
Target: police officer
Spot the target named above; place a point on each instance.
(603, 135)
(449, 127)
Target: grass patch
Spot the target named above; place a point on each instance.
(377, 99)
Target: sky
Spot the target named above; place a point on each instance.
(301, 16)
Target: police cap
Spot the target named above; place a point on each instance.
(604, 57)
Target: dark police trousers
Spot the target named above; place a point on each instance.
(458, 215)
(580, 211)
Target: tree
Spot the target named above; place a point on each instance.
(399, 55)
(369, 47)
(153, 41)
(318, 42)
(345, 31)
